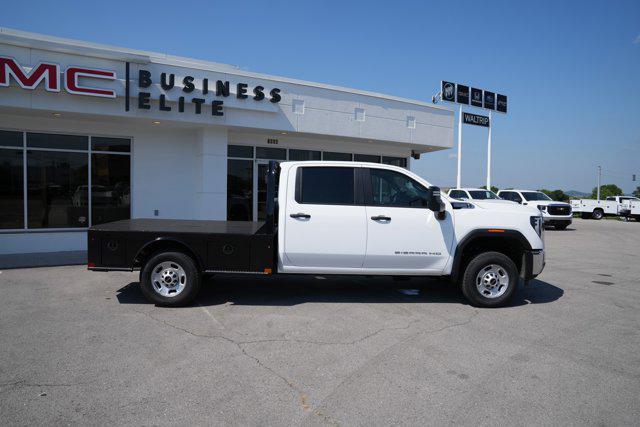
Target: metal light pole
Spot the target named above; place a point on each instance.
(459, 146)
(599, 173)
(489, 154)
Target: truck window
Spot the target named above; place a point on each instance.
(458, 194)
(325, 186)
(390, 188)
(483, 195)
(510, 195)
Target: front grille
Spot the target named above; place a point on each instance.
(558, 210)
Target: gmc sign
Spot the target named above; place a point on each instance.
(50, 75)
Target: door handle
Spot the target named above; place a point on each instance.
(300, 215)
(381, 218)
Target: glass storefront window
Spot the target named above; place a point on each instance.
(241, 151)
(239, 190)
(10, 138)
(395, 161)
(117, 145)
(57, 189)
(271, 153)
(304, 155)
(110, 188)
(55, 141)
(366, 158)
(57, 180)
(11, 189)
(330, 155)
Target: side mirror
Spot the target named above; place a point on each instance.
(434, 201)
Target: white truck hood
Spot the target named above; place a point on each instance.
(490, 204)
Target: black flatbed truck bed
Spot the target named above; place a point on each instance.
(215, 246)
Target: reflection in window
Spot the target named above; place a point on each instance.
(239, 190)
(56, 189)
(11, 189)
(391, 188)
(110, 188)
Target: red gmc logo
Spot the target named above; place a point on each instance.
(50, 74)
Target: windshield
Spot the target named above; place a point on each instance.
(483, 195)
(535, 196)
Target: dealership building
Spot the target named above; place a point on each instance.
(93, 133)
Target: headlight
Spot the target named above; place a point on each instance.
(542, 207)
(536, 223)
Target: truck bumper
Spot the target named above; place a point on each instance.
(532, 264)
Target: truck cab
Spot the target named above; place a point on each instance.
(344, 218)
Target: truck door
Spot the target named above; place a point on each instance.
(324, 226)
(403, 235)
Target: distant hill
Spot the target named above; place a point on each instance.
(579, 194)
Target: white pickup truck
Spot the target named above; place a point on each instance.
(555, 214)
(343, 218)
(598, 209)
(630, 209)
(479, 196)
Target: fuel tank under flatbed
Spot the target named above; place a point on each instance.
(234, 246)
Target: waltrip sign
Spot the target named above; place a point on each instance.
(476, 119)
(462, 94)
(85, 81)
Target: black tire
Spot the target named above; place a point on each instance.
(561, 226)
(192, 279)
(473, 270)
(597, 214)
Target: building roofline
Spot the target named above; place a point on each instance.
(42, 41)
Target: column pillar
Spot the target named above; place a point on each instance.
(211, 173)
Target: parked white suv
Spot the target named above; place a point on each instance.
(556, 214)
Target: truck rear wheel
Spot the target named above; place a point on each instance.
(597, 214)
(170, 279)
(490, 280)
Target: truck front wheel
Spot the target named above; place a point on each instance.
(490, 280)
(170, 279)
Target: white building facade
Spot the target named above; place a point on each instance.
(92, 133)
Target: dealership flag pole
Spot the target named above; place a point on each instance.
(459, 145)
(489, 155)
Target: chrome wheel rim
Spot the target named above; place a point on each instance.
(492, 281)
(168, 279)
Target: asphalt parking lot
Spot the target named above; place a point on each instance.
(85, 348)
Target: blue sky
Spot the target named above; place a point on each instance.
(571, 69)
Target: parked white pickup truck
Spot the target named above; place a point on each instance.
(334, 218)
(598, 209)
(556, 214)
